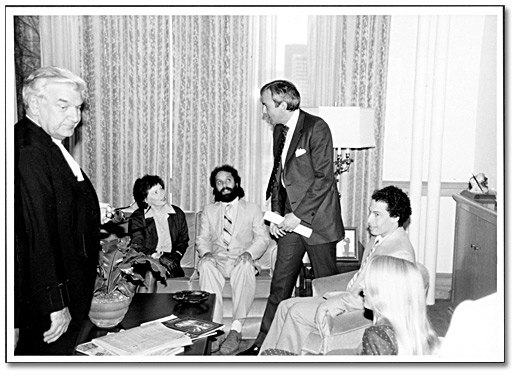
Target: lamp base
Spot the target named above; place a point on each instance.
(342, 163)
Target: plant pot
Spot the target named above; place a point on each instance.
(108, 310)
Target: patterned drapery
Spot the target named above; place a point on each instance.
(168, 95)
(127, 120)
(178, 95)
(363, 77)
(212, 98)
(359, 45)
(172, 97)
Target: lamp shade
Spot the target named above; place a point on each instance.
(351, 127)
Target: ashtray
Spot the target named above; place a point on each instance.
(191, 296)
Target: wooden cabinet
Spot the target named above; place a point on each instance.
(475, 253)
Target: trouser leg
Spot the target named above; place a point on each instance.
(323, 259)
(275, 331)
(299, 323)
(243, 284)
(287, 268)
(212, 281)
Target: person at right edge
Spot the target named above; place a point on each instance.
(303, 190)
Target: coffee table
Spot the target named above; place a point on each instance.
(147, 307)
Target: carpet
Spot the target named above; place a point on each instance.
(440, 315)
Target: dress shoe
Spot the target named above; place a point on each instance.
(252, 351)
(231, 344)
(215, 345)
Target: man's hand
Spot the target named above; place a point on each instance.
(244, 258)
(60, 321)
(107, 212)
(322, 320)
(170, 262)
(289, 223)
(276, 231)
(208, 256)
(328, 309)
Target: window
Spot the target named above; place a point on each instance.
(292, 52)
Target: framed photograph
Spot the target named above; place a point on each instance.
(346, 249)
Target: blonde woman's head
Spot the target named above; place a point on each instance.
(390, 283)
(395, 290)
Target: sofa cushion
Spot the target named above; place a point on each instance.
(188, 260)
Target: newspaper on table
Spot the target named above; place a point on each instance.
(148, 339)
(91, 349)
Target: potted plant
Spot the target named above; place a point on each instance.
(121, 269)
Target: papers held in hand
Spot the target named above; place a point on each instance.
(277, 219)
(148, 339)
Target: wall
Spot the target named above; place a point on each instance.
(469, 142)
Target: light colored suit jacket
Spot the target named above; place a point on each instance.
(249, 231)
(397, 244)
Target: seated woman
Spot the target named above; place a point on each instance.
(394, 291)
(157, 228)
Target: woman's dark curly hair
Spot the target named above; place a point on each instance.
(398, 203)
(142, 186)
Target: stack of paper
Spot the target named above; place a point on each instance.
(149, 339)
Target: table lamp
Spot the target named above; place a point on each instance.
(351, 128)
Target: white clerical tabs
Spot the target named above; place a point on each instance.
(277, 219)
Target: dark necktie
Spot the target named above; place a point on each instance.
(277, 160)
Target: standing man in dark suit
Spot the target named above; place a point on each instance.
(57, 218)
(303, 190)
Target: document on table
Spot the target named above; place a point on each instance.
(91, 349)
(276, 219)
(147, 339)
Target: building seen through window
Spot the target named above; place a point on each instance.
(292, 53)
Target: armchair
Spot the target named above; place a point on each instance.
(346, 330)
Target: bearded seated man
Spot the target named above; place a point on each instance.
(232, 237)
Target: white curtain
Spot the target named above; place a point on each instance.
(169, 95)
(433, 129)
(349, 65)
(262, 70)
(217, 69)
(127, 127)
(325, 35)
(59, 42)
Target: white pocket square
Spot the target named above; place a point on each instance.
(300, 152)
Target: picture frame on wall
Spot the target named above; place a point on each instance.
(347, 248)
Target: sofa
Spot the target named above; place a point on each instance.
(190, 281)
